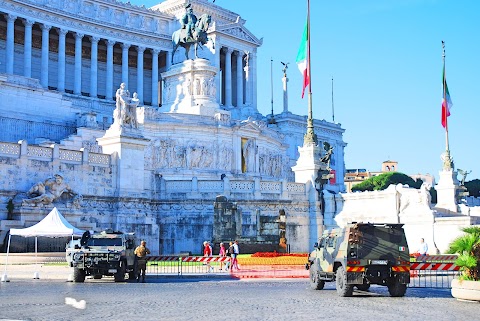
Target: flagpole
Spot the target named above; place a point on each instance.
(310, 137)
(447, 162)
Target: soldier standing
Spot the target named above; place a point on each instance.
(141, 255)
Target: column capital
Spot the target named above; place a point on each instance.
(11, 17)
(46, 27)
(125, 46)
(141, 49)
(62, 32)
(28, 22)
(239, 53)
(94, 39)
(227, 50)
(79, 35)
(111, 43)
(155, 52)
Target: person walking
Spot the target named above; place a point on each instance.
(141, 255)
(222, 253)
(207, 252)
(236, 252)
(228, 265)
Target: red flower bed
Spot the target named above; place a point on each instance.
(277, 254)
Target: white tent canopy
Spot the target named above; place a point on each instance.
(52, 225)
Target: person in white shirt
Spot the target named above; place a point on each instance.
(423, 249)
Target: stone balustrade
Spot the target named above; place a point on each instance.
(245, 189)
(54, 152)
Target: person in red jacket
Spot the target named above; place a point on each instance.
(207, 252)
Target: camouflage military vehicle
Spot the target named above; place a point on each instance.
(105, 254)
(359, 255)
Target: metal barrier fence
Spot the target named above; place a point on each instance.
(433, 271)
(186, 265)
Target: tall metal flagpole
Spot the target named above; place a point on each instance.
(447, 162)
(310, 137)
(272, 119)
(333, 108)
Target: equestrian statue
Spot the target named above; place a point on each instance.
(192, 32)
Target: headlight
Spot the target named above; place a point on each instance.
(78, 256)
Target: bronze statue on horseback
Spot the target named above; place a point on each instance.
(192, 32)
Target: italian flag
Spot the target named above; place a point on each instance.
(302, 61)
(446, 102)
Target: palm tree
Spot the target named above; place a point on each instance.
(467, 247)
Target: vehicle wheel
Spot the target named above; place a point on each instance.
(315, 282)
(97, 276)
(120, 275)
(397, 289)
(343, 289)
(78, 275)
(363, 287)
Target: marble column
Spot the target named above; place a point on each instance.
(239, 79)
(61, 59)
(248, 80)
(45, 55)
(218, 76)
(228, 77)
(94, 67)
(109, 76)
(125, 47)
(140, 51)
(285, 93)
(77, 86)
(168, 60)
(155, 53)
(27, 56)
(10, 45)
(253, 75)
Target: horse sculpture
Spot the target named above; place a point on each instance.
(199, 36)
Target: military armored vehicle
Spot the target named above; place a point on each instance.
(359, 255)
(107, 253)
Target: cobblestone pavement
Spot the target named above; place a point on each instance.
(219, 299)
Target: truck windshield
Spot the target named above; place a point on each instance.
(104, 242)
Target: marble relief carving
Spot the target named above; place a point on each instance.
(169, 153)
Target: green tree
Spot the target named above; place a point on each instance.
(473, 187)
(382, 181)
(467, 247)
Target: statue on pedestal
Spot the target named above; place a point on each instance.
(125, 114)
(192, 32)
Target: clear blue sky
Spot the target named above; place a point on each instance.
(386, 61)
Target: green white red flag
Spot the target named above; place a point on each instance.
(302, 59)
(446, 101)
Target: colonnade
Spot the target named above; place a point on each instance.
(92, 84)
(97, 65)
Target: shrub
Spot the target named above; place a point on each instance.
(467, 246)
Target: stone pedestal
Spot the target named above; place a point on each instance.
(447, 191)
(308, 164)
(129, 150)
(189, 88)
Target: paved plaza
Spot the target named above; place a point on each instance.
(213, 298)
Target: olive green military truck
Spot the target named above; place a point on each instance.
(359, 255)
(107, 253)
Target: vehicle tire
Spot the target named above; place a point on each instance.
(315, 282)
(97, 276)
(363, 287)
(120, 275)
(343, 289)
(397, 289)
(78, 275)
